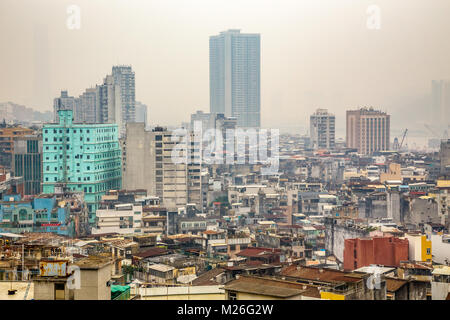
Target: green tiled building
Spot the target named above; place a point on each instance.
(81, 157)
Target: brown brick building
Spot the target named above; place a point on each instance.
(386, 251)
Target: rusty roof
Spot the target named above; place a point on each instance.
(208, 278)
(212, 232)
(152, 252)
(258, 252)
(271, 287)
(394, 284)
(321, 274)
(416, 265)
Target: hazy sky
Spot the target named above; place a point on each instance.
(314, 53)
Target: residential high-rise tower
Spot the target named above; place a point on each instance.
(234, 76)
(368, 130)
(322, 126)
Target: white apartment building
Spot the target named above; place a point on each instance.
(123, 219)
(322, 129)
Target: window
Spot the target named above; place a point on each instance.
(232, 295)
(23, 214)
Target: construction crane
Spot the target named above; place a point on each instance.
(397, 145)
(403, 139)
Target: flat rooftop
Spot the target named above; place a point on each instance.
(21, 293)
(93, 262)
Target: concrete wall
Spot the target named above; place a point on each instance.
(439, 249)
(45, 290)
(439, 290)
(94, 284)
(444, 156)
(393, 206)
(335, 236)
(422, 211)
(138, 169)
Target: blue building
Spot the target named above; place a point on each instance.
(43, 214)
(234, 76)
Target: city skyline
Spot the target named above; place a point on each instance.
(233, 152)
(350, 69)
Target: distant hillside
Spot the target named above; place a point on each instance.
(16, 113)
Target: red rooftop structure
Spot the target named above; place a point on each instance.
(386, 251)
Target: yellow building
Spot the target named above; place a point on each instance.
(394, 173)
(331, 296)
(419, 247)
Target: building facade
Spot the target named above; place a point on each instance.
(440, 108)
(141, 113)
(419, 247)
(123, 219)
(234, 73)
(386, 251)
(368, 130)
(61, 214)
(81, 157)
(149, 165)
(87, 106)
(7, 136)
(111, 102)
(444, 156)
(27, 162)
(124, 77)
(66, 102)
(322, 129)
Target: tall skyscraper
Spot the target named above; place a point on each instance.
(81, 157)
(234, 76)
(368, 130)
(440, 109)
(88, 106)
(124, 77)
(111, 102)
(322, 129)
